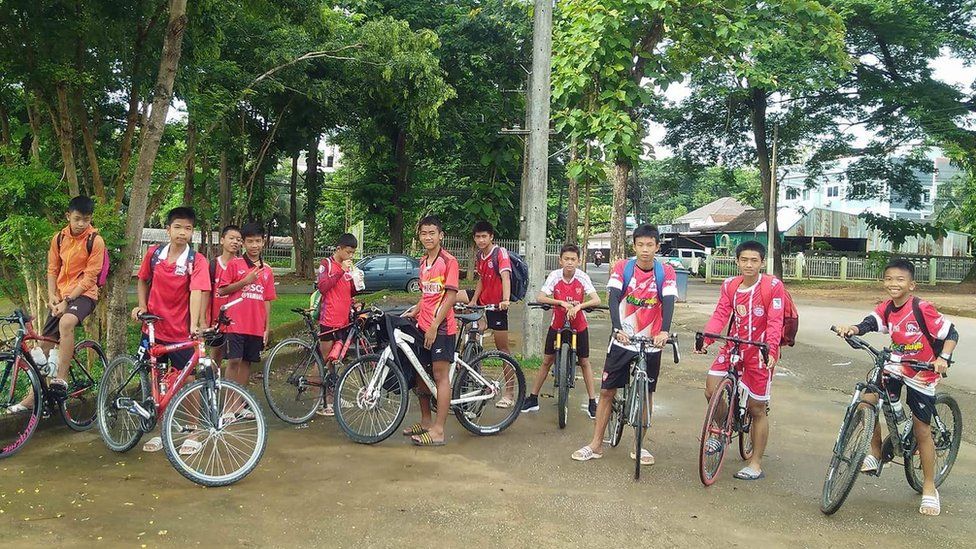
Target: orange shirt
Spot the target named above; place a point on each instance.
(72, 265)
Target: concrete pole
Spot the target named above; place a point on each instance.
(771, 228)
(538, 176)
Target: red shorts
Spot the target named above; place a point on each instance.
(753, 377)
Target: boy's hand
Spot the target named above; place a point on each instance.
(267, 337)
(572, 312)
(59, 308)
(252, 275)
(136, 311)
(661, 339)
(566, 305)
(941, 365)
(622, 338)
(847, 331)
(430, 336)
(52, 300)
(503, 306)
(347, 265)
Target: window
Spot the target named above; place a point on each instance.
(329, 161)
(792, 194)
(377, 264)
(833, 192)
(926, 197)
(398, 264)
(806, 194)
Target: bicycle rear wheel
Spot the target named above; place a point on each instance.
(87, 367)
(849, 451)
(18, 381)
(615, 427)
(947, 434)
(294, 381)
(745, 438)
(124, 380)
(716, 431)
(484, 417)
(371, 414)
(562, 374)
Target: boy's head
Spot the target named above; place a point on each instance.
(345, 247)
(484, 234)
(899, 278)
(179, 224)
(750, 256)
(647, 241)
(231, 239)
(253, 235)
(79, 215)
(430, 231)
(569, 257)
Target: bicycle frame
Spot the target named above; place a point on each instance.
(25, 334)
(639, 373)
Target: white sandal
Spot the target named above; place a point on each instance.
(505, 402)
(586, 454)
(931, 505)
(870, 465)
(190, 447)
(154, 444)
(646, 457)
(16, 409)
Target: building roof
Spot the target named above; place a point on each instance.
(720, 211)
(754, 220)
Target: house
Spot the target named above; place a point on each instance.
(713, 215)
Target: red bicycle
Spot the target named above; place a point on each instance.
(213, 430)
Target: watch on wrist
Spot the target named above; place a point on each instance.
(945, 357)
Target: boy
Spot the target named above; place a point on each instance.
(250, 279)
(570, 291)
(337, 287)
(641, 306)
(753, 320)
(439, 273)
(230, 244)
(917, 331)
(173, 279)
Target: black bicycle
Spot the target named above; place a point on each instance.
(856, 431)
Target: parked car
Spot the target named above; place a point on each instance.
(690, 258)
(390, 272)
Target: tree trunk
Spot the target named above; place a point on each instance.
(89, 141)
(313, 190)
(148, 147)
(618, 219)
(758, 104)
(572, 209)
(586, 222)
(293, 212)
(400, 188)
(189, 178)
(33, 118)
(4, 126)
(66, 138)
(131, 120)
(225, 193)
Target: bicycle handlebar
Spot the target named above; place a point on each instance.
(700, 343)
(672, 341)
(547, 306)
(859, 343)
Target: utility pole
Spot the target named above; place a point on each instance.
(534, 197)
(771, 228)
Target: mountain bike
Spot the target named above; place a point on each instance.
(376, 387)
(633, 406)
(20, 378)
(137, 390)
(470, 340)
(726, 417)
(854, 437)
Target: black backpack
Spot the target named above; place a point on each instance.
(520, 274)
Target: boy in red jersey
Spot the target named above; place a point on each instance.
(230, 244)
(439, 272)
(919, 332)
(336, 285)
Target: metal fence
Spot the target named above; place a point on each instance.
(851, 267)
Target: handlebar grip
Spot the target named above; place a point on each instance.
(674, 349)
(765, 354)
(834, 329)
(700, 343)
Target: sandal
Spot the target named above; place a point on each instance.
(190, 447)
(585, 454)
(870, 465)
(154, 444)
(415, 430)
(646, 457)
(505, 402)
(931, 505)
(16, 409)
(58, 388)
(748, 473)
(426, 440)
(321, 411)
(713, 446)
(329, 411)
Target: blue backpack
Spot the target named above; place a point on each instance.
(658, 275)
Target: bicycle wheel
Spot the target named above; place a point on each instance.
(18, 381)
(124, 380)
(745, 438)
(471, 351)
(212, 414)
(371, 413)
(849, 451)
(640, 409)
(293, 381)
(485, 417)
(87, 367)
(716, 431)
(947, 433)
(618, 418)
(562, 375)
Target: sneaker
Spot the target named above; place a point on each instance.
(531, 404)
(591, 409)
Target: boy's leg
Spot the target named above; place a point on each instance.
(540, 378)
(758, 431)
(78, 311)
(441, 378)
(587, 370)
(616, 373)
(498, 323)
(921, 406)
(602, 419)
(325, 347)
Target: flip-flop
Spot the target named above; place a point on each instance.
(713, 446)
(505, 402)
(870, 465)
(329, 411)
(15, 409)
(748, 473)
(646, 457)
(154, 444)
(931, 505)
(585, 454)
(321, 411)
(190, 447)
(426, 440)
(415, 430)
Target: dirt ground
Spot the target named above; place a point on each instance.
(517, 489)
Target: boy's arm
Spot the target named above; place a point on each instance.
(506, 289)
(547, 291)
(93, 268)
(328, 279)
(720, 317)
(476, 294)
(196, 306)
(236, 285)
(267, 324)
(592, 300)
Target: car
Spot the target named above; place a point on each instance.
(390, 272)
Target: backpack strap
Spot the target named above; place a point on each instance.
(733, 287)
(213, 273)
(917, 311)
(90, 244)
(659, 280)
(628, 273)
(887, 312)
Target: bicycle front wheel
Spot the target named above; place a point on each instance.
(124, 383)
(87, 367)
(849, 451)
(369, 408)
(214, 432)
(563, 375)
(947, 433)
(640, 410)
(19, 383)
(294, 381)
(481, 409)
(716, 431)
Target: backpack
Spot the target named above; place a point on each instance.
(658, 276)
(89, 245)
(519, 283)
(791, 317)
(155, 258)
(315, 304)
(935, 344)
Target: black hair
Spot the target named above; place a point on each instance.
(82, 204)
(431, 220)
(569, 248)
(751, 246)
(901, 264)
(647, 231)
(347, 240)
(483, 227)
(181, 212)
(252, 229)
(229, 228)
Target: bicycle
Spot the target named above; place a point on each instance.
(20, 378)
(728, 400)
(137, 390)
(377, 388)
(633, 407)
(564, 378)
(857, 429)
(297, 376)
(470, 335)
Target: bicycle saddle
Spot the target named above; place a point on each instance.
(146, 317)
(469, 317)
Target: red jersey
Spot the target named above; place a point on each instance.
(754, 320)
(490, 269)
(337, 289)
(250, 316)
(574, 291)
(169, 294)
(217, 301)
(641, 312)
(908, 340)
(435, 280)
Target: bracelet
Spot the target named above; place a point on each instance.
(947, 358)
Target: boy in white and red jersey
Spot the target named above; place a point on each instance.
(230, 245)
(919, 332)
(336, 285)
(642, 293)
(755, 303)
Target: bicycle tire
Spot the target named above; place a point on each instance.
(394, 389)
(12, 391)
(710, 464)
(562, 374)
(484, 364)
(471, 352)
(745, 438)
(283, 380)
(121, 437)
(618, 419)
(946, 442)
(857, 443)
(640, 401)
(220, 435)
(81, 406)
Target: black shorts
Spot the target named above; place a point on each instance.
(497, 320)
(176, 359)
(582, 343)
(616, 370)
(442, 350)
(329, 333)
(244, 346)
(918, 402)
(81, 307)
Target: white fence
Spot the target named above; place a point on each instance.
(927, 269)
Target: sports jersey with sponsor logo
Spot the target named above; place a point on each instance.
(908, 340)
(641, 312)
(436, 278)
(490, 267)
(217, 301)
(337, 289)
(573, 291)
(754, 320)
(169, 293)
(249, 317)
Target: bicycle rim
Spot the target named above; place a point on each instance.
(619, 420)
(18, 381)
(849, 451)
(716, 431)
(123, 378)
(562, 374)
(946, 428)
(293, 381)
(640, 404)
(87, 367)
(482, 415)
(366, 414)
